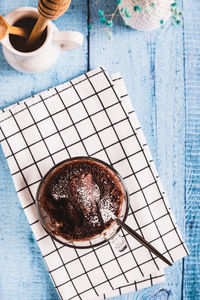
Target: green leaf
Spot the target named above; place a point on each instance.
(102, 20)
(90, 26)
(137, 8)
(101, 12)
(109, 23)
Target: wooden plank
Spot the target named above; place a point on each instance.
(23, 274)
(191, 280)
(152, 66)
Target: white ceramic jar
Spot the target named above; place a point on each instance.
(42, 58)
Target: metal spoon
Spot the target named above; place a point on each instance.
(93, 186)
(141, 240)
(6, 28)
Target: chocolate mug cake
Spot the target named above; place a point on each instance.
(77, 198)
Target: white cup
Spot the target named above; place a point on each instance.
(45, 56)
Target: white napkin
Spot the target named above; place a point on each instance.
(91, 116)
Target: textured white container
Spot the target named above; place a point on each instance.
(42, 58)
(149, 18)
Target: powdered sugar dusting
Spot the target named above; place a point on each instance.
(107, 215)
(106, 208)
(59, 190)
(89, 193)
(94, 220)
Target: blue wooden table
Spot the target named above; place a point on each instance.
(162, 73)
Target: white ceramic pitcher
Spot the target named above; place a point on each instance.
(42, 58)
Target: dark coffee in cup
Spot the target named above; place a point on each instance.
(19, 43)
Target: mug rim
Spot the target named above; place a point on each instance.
(26, 9)
(79, 158)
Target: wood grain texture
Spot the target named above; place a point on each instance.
(191, 278)
(152, 65)
(161, 70)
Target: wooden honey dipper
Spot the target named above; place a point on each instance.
(6, 28)
(48, 10)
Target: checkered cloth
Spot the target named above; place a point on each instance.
(91, 116)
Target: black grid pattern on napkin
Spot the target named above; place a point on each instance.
(137, 285)
(150, 164)
(90, 112)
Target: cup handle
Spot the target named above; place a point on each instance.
(118, 242)
(68, 40)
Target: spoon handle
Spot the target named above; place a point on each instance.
(48, 10)
(37, 31)
(18, 31)
(142, 241)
